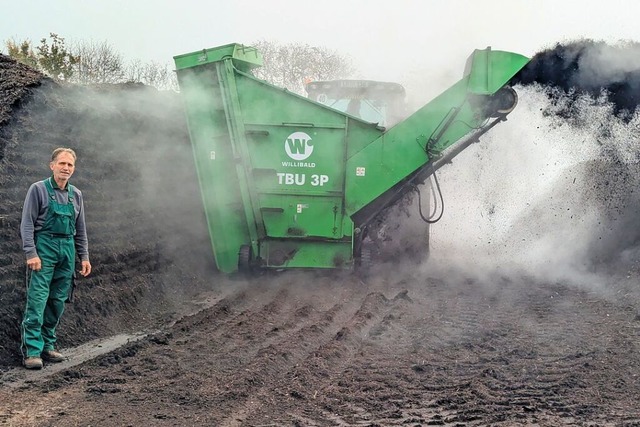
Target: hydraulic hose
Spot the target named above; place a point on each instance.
(429, 219)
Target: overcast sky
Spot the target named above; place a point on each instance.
(385, 39)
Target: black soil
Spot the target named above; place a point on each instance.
(604, 72)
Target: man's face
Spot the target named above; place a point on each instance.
(63, 167)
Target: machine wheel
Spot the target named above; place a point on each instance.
(244, 259)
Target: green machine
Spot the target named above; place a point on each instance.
(288, 182)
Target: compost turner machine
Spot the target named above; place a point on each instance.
(288, 182)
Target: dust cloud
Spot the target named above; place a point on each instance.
(133, 148)
(551, 194)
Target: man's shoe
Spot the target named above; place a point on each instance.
(53, 356)
(33, 363)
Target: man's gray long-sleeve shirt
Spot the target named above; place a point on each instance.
(34, 214)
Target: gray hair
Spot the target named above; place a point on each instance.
(57, 152)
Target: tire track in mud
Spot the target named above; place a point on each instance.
(312, 325)
(303, 351)
(310, 383)
(278, 355)
(522, 357)
(462, 383)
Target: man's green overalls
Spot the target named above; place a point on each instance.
(49, 287)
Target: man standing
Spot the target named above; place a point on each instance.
(53, 230)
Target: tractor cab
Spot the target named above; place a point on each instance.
(372, 101)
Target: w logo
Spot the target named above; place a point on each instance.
(298, 146)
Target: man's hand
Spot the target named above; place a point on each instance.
(86, 268)
(34, 263)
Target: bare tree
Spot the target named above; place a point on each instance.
(152, 74)
(97, 63)
(89, 62)
(290, 65)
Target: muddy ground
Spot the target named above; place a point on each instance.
(417, 347)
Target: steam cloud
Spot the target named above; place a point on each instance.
(552, 193)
